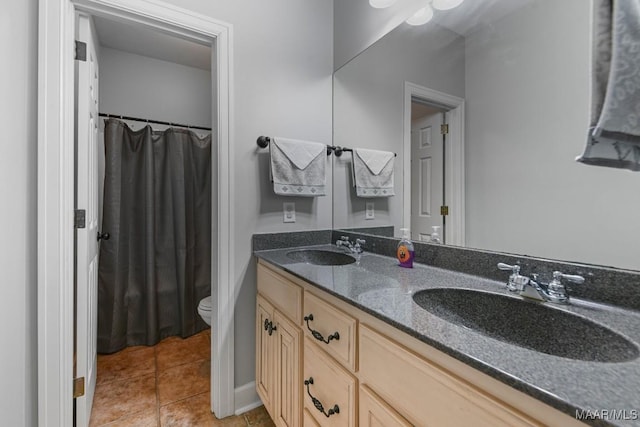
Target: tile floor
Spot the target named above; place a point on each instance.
(161, 386)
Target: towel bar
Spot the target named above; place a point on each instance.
(339, 150)
(263, 142)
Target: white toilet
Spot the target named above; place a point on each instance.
(204, 310)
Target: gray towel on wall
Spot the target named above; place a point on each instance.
(373, 173)
(298, 168)
(614, 133)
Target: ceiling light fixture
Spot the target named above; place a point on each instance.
(381, 4)
(446, 4)
(421, 17)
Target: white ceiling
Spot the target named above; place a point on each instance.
(472, 14)
(146, 41)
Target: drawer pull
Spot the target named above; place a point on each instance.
(317, 335)
(318, 404)
(268, 326)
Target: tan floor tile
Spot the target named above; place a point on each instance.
(126, 364)
(171, 353)
(169, 340)
(113, 400)
(195, 411)
(265, 423)
(184, 381)
(133, 348)
(257, 415)
(141, 419)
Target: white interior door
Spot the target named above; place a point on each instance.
(87, 200)
(427, 178)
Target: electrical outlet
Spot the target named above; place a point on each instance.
(289, 209)
(369, 212)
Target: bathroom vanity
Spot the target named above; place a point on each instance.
(349, 345)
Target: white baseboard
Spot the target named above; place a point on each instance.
(246, 398)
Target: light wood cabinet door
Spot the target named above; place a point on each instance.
(308, 420)
(330, 391)
(333, 330)
(265, 354)
(375, 412)
(425, 394)
(288, 341)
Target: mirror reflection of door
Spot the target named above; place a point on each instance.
(427, 170)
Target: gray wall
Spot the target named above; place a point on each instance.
(527, 93)
(356, 25)
(282, 76)
(145, 87)
(369, 108)
(18, 215)
(283, 61)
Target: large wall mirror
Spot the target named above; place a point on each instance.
(511, 79)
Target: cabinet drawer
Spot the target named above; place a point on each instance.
(327, 321)
(375, 412)
(331, 385)
(425, 394)
(285, 295)
(308, 420)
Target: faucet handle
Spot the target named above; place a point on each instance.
(361, 242)
(556, 289)
(516, 281)
(344, 238)
(574, 278)
(515, 269)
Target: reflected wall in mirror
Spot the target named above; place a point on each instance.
(520, 70)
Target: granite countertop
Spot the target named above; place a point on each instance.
(378, 286)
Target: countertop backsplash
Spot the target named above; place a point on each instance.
(602, 284)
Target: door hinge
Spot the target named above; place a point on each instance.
(444, 129)
(444, 210)
(78, 387)
(79, 218)
(81, 51)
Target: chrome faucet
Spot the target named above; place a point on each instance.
(533, 288)
(345, 243)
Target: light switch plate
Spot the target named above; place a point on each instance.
(369, 212)
(289, 209)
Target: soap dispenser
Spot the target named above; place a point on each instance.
(435, 234)
(405, 252)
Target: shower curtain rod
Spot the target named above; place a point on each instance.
(158, 122)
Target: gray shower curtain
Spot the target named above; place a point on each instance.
(156, 266)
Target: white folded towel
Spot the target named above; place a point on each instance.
(373, 173)
(298, 168)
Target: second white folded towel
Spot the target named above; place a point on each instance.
(373, 173)
(298, 168)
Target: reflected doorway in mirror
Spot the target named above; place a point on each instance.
(434, 154)
(427, 169)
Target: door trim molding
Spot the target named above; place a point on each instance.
(454, 159)
(56, 188)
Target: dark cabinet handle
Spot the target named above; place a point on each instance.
(318, 404)
(268, 326)
(317, 335)
(103, 236)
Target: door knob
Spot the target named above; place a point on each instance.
(103, 236)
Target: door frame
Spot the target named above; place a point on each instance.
(55, 261)
(454, 158)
